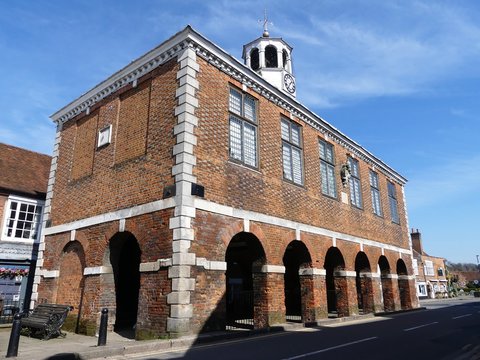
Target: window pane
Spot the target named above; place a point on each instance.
(287, 169)
(321, 146)
(235, 138)
(323, 172)
(250, 144)
(295, 134)
(249, 108)
(235, 102)
(330, 153)
(285, 131)
(297, 166)
(331, 181)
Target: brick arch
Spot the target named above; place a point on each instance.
(403, 285)
(296, 258)
(387, 284)
(245, 282)
(71, 280)
(349, 251)
(363, 283)
(227, 233)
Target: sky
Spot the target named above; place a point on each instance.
(401, 78)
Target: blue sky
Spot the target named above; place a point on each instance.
(402, 78)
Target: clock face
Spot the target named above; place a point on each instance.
(289, 83)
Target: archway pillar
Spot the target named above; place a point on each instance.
(391, 296)
(314, 294)
(406, 286)
(377, 293)
(367, 292)
(268, 296)
(346, 292)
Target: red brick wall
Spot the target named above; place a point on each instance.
(135, 167)
(84, 145)
(154, 239)
(264, 190)
(70, 284)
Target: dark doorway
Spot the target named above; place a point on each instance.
(243, 252)
(333, 262)
(296, 256)
(125, 259)
(363, 283)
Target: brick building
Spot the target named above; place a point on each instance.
(23, 188)
(190, 192)
(430, 271)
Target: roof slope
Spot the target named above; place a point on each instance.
(23, 171)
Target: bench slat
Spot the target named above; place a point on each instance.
(48, 318)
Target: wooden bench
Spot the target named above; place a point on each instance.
(46, 319)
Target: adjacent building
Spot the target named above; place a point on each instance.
(430, 271)
(23, 188)
(191, 192)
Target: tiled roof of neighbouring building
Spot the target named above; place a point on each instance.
(23, 171)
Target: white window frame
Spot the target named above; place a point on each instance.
(392, 198)
(6, 218)
(422, 289)
(375, 192)
(246, 123)
(290, 147)
(327, 169)
(104, 136)
(428, 268)
(355, 183)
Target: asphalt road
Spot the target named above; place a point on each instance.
(440, 332)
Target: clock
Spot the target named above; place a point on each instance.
(289, 83)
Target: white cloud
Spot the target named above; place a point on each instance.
(347, 58)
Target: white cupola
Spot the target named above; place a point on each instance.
(271, 59)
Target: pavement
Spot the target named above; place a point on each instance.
(81, 347)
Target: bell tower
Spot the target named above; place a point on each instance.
(271, 59)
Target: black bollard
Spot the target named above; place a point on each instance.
(14, 336)
(102, 332)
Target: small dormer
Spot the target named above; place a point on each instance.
(271, 59)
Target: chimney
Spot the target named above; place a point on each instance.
(416, 241)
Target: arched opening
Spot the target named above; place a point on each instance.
(125, 260)
(284, 58)
(295, 258)
(71, 281)
(271, 60)
(386, 284)
(334, 263)
(403, 285)
(254, 59)
(363, 283)
(244, 252)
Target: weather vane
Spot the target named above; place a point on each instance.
(265, 24)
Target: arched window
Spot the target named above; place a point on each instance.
(285, 58)
(271, 60)
(254, 59)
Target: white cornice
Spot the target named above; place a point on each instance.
(219, 58)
